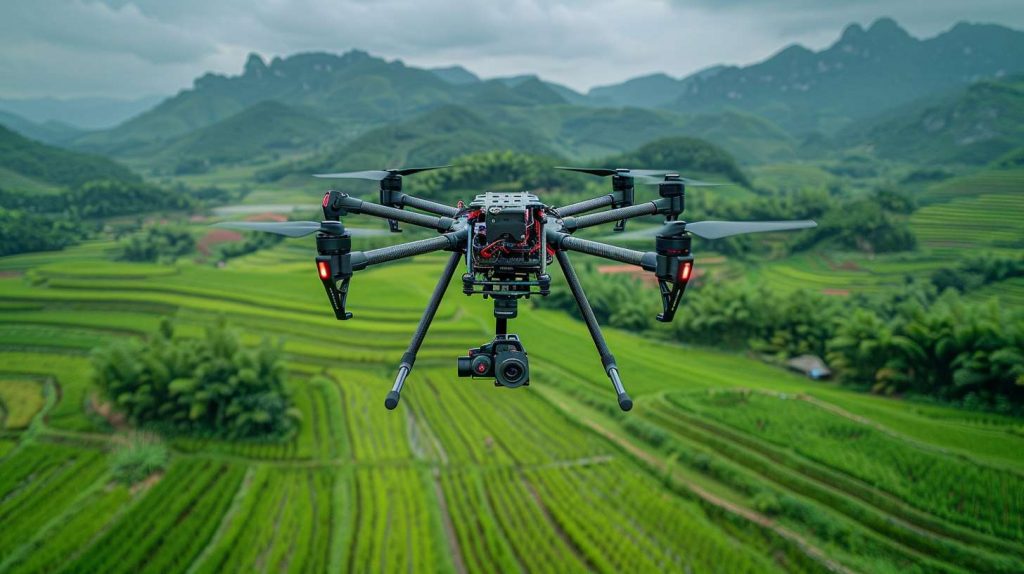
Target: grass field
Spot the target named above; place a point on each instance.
(464, 477)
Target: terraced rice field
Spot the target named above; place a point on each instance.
(465, 477)
(983, 220)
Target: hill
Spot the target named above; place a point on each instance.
(355, 87)
(431, 139)
(51, 132)
(860, 75)
(265, 128)
(975, 126)
(654, 90)
(689, 155)
(52, 165)
(87, 113)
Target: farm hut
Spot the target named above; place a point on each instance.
(811, 366)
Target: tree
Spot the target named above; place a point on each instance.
(211, 386)
(164, 243)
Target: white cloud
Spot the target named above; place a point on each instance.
(134, 47)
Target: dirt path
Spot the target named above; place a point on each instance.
(449, 528)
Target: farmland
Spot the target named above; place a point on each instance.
(725, 464)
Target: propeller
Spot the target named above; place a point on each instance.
(670, 177)
(605, 172)
(377, 174)
(719, 229)
(286, 228)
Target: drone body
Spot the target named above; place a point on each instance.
(507, 241)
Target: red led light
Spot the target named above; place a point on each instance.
(323, 268)
(684, 271)
(327, 196)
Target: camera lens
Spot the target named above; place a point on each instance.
(512, 371)
(465, 367)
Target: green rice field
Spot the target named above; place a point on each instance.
(725, 464)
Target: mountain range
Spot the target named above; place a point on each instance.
(330, 108)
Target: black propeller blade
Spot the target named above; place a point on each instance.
(670, 177)
(377, 174)
(286, 228)
(719, 229)
(605, 172)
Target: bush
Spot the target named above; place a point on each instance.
(163, 243)
(211, 387)
(137, 459)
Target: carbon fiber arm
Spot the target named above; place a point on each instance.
(639, 210)
(566, 242)
(355, 205)
(585, 205)
(448, 241)
(429, 206)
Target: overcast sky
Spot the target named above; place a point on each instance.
(131, 48)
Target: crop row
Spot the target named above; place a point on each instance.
(980, 497)
(476, 422)
(623, 523)
(396, 528)
(73, 532)
(168, 528)
(37, 483)
(281, 522)
(765, 469)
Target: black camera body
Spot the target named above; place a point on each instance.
(503, 359)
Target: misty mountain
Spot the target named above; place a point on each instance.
(651, 91)
(976, 125)
(758, 113)
(859, 76)
(456, 75)
(51, 132)
(79, 113)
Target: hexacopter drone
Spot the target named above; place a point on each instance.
(508, 240)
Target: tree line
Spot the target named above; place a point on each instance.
(924, 339)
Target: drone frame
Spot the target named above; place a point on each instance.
(671, 261)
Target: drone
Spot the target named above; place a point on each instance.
(508, 241)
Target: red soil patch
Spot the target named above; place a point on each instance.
(836, 292)
(6, 274)
(106, 410)
(216, 237)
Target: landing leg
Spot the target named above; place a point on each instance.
(409, 358)
(625, 403)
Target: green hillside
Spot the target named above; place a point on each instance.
(975, 126)
(431, 139)
(50, 132)
(52, 166)
(262, 130)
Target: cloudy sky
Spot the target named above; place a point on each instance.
(131, 48)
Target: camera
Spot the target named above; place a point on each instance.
(504, 359)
